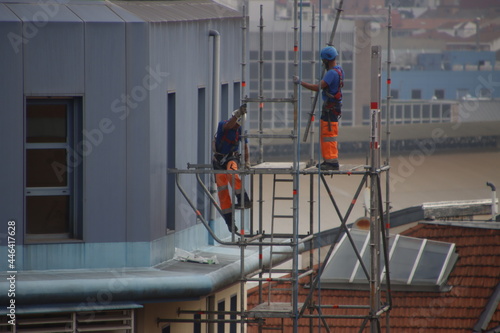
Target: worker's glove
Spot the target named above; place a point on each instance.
(247, 164)
(296, 80)
(240, 111)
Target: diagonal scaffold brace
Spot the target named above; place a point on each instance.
(330, 42)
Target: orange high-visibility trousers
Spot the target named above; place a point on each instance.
(223, 180)
(329, 149)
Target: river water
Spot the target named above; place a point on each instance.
(416, 177)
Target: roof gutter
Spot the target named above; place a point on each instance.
(98, 287)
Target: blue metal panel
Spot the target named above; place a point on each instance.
(137, 118)
(11, 125)
(105, 124)
(449, 81)
(469, 57)
(53, 256)
(106, 255)
(53, 51)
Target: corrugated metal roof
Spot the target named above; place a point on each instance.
(33, 12)
(149, 11)
(93, 13)
(169, 11)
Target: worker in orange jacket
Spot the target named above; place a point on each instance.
(331, 86)
(227, 157)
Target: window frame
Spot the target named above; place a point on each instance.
(74, 173)
(348, 275)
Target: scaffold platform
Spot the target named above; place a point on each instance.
(273, 310)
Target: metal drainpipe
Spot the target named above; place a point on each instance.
(494, 210)
(215, 113)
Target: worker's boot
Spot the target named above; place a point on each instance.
(328, 166)
(228, 217)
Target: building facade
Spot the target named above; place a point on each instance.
(99, 100)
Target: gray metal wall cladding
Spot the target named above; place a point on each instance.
(122, 65)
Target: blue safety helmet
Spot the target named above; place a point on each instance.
(329, 53)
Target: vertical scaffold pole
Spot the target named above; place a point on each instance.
(313, 79)
(296, 108)
(261, 151)
(311, 159)
(388, 118)
(261, 84)
(375, 228)
(388, 142)
(243, 93)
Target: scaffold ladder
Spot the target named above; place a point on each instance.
(275, 217)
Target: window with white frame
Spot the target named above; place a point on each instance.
(415, 263)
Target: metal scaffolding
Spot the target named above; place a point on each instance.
(289, 173)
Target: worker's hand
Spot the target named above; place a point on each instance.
(243, 109)
(240, 111)
(296, 80)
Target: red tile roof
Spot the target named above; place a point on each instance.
(473, 280)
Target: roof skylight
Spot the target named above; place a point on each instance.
(415, 264)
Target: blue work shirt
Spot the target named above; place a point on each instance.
(333, 80)
(227, 141)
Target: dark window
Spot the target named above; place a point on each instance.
(279, 85)
(203, 145)
(221, 306)
(54, 155)
(407, 114)
(446, 111)
(279, 55)
(197, 325)
(484, 92)
(395, 93)
(268, 71)
(416, 112)
(399, 112)
(416, 94)
(346, 55)
(236, 95)
(224, 101)
(347, 67)
(254, 70)
(436, 112)
(171, 129)
(279, 70)
(439, 93)
(233, 307)
(426, 113)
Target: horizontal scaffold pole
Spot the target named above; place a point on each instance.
(261, 171)
(208, 321)
(269, 100)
